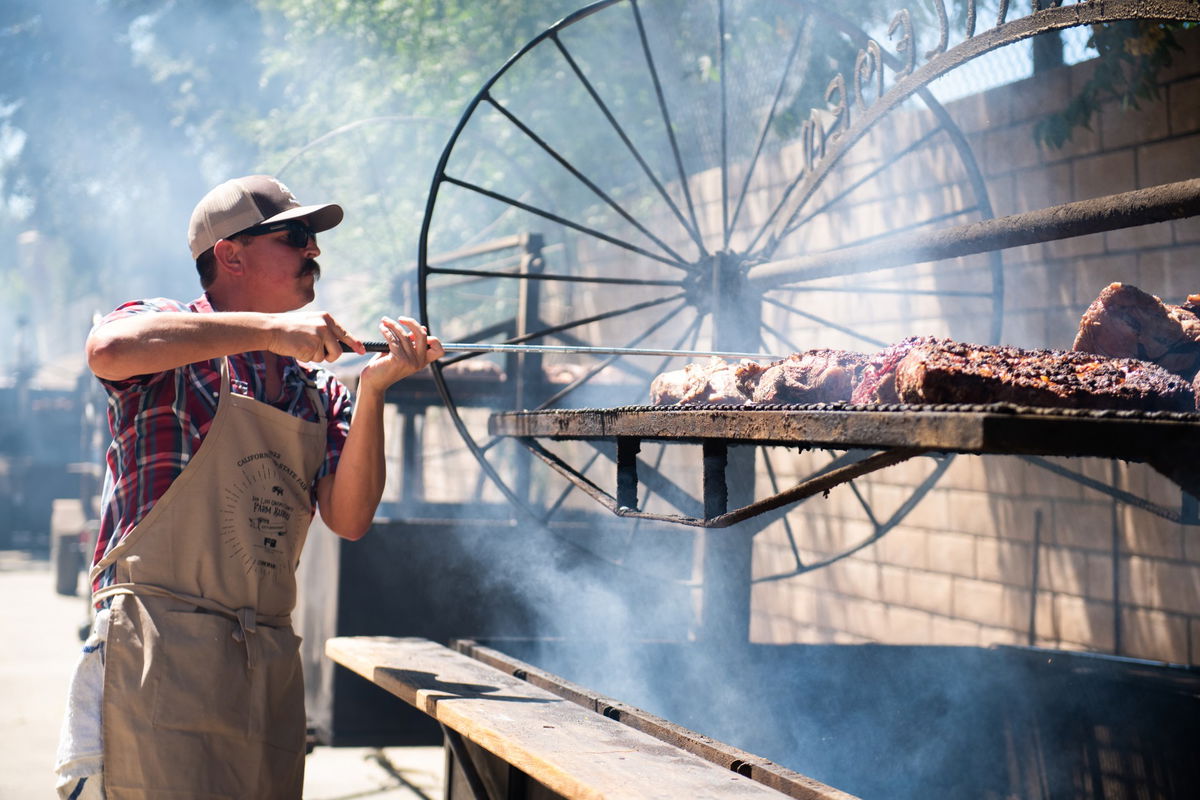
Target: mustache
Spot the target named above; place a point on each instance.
(311, 267)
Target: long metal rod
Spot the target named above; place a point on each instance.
(487, 347)
(1127, 209)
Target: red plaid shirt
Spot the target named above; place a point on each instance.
(158, 421)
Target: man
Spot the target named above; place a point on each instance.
(222, 444)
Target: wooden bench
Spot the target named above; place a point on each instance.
(574, 752)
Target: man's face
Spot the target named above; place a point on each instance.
(280, 276)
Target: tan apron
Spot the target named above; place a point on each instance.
(203, 694)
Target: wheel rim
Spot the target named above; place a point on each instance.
(681, 216)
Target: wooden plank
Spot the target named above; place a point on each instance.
(572, 751)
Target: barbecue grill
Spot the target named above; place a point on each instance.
(740, 220)
(794, 203)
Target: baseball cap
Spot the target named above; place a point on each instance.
(242, 203)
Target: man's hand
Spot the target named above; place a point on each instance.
(410, 349)
(311, 336)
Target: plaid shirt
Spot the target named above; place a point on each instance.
(158, 421)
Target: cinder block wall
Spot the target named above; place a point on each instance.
(999, 550)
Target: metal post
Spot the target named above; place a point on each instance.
(725, 554)
(526, 368)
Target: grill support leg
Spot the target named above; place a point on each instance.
(627, 477)
(725, 553)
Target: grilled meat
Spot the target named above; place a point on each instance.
(1125, 322)
(942, 371)
(877, 381)
(714, 381)
(814, 376)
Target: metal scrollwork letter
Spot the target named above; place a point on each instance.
(1001, 13)
(868, 64)
(841, 109)
(943, 29)
(812, 138)
(906, 45)
(970, 18)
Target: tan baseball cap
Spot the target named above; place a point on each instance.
(253, 200)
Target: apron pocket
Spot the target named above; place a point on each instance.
(202, 683)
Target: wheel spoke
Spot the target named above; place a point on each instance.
(666, 115)
(787, 526)
(793, 224)
(542, 276)
(788, 289)
(826, 322)
(724, 127)
(553, 329)
(693, 232)
(512, 201)
(554, 398)
(762, 136)
(613, 204)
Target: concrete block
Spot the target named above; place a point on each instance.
(952, 552)
(1004, 561)
(1099, 577)
(1080, 525)
(991, 603)
(904, 547)
(1183, 99)
(907, 626)
(1104, 174)
(1123, 127)
(1076, 246)
(1146, 534)
(1032, 96)
(1164, 585)
(1084, 622)
(1168, 161)
(1175, 272)
(930, 591)
(1093, 273)
(893, 584)
(1141, 237)
(1043, 187)
(1154, 635)
(954, 632)
(981, 111)
(1187, 230)
(1063, 571)
(1010, 148)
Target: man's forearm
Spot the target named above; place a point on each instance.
(143, 344)
(355, 489)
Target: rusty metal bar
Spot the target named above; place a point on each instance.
(1124, 210)
(627, 476)
(824, 483)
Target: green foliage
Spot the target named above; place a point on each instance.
(1131, 56)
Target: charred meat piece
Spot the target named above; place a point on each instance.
(713, 382)
(877, 381)
(814, 376)
(952, 372)
(1125, 322)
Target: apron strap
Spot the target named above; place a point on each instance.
(247, 618)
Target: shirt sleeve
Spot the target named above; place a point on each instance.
(338, 409)
(132, 308)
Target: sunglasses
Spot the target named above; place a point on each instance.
(298, 234)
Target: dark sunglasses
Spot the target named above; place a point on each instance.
(298, 234)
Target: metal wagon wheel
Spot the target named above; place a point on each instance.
(715, 169)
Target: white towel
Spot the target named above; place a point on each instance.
(79, 746)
